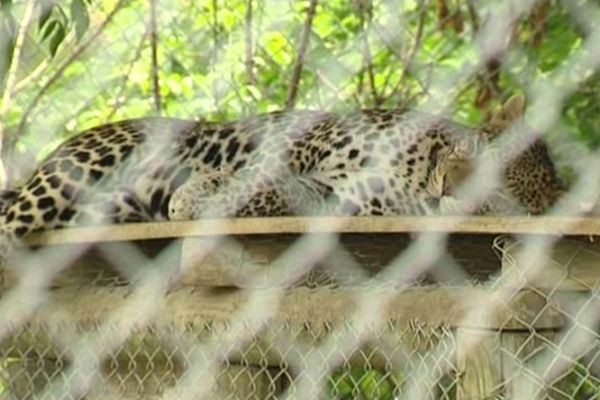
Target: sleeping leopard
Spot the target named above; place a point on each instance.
(370, 162)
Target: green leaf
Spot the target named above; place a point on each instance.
(374, 386)
(57, 39)
(177, 67)
(340, 386)
(46, 12)
(50, 28)
(278, 47)
(80, 16)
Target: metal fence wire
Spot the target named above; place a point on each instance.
(211, 309)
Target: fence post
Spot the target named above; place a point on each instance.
(478, 363)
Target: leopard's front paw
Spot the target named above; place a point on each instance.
(450, 205)
(183, 207)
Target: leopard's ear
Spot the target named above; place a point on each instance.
(512, 110)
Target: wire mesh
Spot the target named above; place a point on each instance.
(311, 314)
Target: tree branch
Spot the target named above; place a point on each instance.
(215, 51)
(409, 59)
(11, 79)
(44, 65)
(473, 16)
(154, 46)
(136, 56)
(248, 44)
(365, 23)
(62, 68)
(301, 53)
(408, 63)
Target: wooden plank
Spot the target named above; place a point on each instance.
(518, 350)
(236, 261)
(300, 310)
(93, 267)
(478, 364)
(571, 265)
(250, 261)
(252, 258)
(277, 225)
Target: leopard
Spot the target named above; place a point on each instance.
(530, 181)
(371, 162)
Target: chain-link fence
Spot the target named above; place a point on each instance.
(96, 333)
(305, 307)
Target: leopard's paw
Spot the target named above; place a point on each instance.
(450, 205)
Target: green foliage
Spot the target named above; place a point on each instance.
(80, 17)
(360, 54)
(583, 112)
(54, 22)
(359, 383)
(53, 25)
(576, 384)
(372, 384)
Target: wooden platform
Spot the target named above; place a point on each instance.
(277, 225)
(368, 242)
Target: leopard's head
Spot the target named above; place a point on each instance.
(529, 177)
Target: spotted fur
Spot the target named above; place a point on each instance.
(372, 162)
